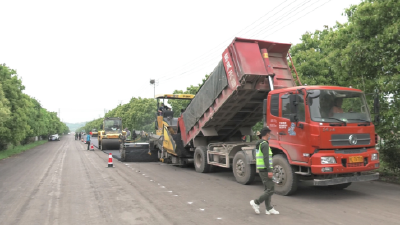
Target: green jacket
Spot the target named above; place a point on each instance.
(265, 151)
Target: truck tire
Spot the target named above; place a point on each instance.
(243, 171)
(286, 175)
(200, 160)
(340, 186)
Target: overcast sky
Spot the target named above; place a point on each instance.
(84, 57)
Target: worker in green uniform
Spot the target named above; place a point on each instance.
(264, 166)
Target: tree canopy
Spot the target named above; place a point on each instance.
(363, 53)
(138, 114)
(21, 116)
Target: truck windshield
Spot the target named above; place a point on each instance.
(337, 106)
(113, 125)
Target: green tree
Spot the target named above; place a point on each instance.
(21, 116)
(363, 53)
(16, 125)
(4, 112)
(138, 114)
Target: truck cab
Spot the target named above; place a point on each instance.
(325, 133)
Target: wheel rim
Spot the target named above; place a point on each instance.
(198, 160)
(280, 174)
(240, 168)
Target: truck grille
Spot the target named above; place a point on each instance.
(343, 139)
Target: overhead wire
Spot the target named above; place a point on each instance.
(207, 62)
(204, 63)
(224, 42)
(286, 14)
(297, 19)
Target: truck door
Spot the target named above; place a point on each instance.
(293, 136)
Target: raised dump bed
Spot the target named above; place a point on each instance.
(231, 100)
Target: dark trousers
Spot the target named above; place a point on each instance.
(269, 187)
(88, 144)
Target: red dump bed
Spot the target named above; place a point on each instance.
(231, 100)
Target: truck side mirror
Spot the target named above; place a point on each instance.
(293, 104)
(293, 118)
(294, 99)
(376, 105)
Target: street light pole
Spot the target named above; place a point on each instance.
(153, 82)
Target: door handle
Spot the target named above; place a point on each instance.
(282, 133)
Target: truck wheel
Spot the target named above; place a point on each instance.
(200, 160)
(340, 186)
(285, 174)
(243, 171)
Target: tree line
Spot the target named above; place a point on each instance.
(138, 114)
(21, 116)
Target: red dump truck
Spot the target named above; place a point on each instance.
(319, 133)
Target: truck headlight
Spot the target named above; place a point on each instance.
(328, 160)
(374, 156)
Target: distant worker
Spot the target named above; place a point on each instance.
(134, 135)
(337, 107)
(264, 166)
(76, 135)
(88, 141)
(161, 109)
(80, 136)
(128, 134)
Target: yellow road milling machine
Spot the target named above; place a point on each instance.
(109, 136)
(166, 141)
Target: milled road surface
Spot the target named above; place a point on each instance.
(63, 183)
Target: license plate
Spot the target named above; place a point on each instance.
(356, 159)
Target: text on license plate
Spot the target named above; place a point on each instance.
(355, 159)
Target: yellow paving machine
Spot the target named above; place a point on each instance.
(167, 139)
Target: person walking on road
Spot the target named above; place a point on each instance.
(128, 134)
(76, 136)
(88, 141)
(264, 166)
(79, 136)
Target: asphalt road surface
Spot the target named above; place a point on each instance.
(63, 183)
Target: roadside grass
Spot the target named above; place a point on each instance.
(18, 149)
(387, 175)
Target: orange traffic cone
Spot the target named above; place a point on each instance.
(91, 147)
(110, 163)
